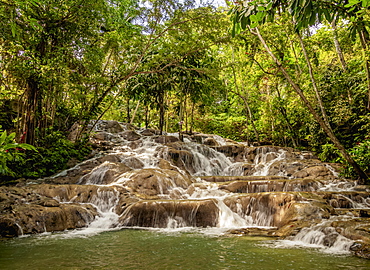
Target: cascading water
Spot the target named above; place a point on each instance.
(170, 189)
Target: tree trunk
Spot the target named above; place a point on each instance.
(362, 175)
(135, 111)
(246, 102)
(192, 117)
(181, 137)
(337, 46)
(161, 111)
(285, 116)
(314, 85)
(31, 110)
(128, 118)
(147, 116)
(367, 64)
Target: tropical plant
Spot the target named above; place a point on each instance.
(11, 151)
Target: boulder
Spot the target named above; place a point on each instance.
(105, 173)
(210, 142)
(130, 135)
(75, 174)
(24, 211)
(149, 132)
(153, 182)
(166, 139)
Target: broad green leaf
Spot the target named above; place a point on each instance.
(253, 18)
(3, 137)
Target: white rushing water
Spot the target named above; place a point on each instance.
(321, 236)
(201, 160)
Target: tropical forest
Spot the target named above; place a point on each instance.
(185, 134)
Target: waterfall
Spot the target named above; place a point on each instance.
(321, 236)
(160, 182)
(265, 159)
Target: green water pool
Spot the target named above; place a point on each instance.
(145, 249)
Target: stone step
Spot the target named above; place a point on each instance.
(275, 209)
(276, 184)
(271, 185)
(171, 213)
(346, 199)
(240, 178)
(355, 212)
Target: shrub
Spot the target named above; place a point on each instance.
(54, 152)
(11, 151)
(361, 154)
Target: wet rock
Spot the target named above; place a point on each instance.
(49, 203)
(330, 239)
(271, 185)
(166, 139)
(182, 159)
(74, 175)
(269, 232)
(130, 135)
(153, 182)
(310, 169)
(110, 126)
(149, 132)
(171, 213)
(104, 174)
(236, 151)
(133, 162)
(240, 178)
(346, 199)
(210, 142)
(24, 211)
(8, 227)
(199, 137)
(360, 249)
(101, 136)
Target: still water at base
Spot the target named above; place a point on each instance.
(143, 249)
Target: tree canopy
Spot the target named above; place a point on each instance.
(285, 72)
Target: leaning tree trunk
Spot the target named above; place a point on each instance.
(313, 81)
(337, 46)
(367, 64)
(362, 175)
(135, 112)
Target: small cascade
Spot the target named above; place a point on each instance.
(229, 219)
(97, 175)
(235, 169)
(20, 229)
(322, 236)
(265, 158)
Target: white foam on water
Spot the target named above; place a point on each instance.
(265, 159)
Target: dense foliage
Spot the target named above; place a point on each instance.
(174, 66)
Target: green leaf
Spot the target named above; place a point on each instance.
(3, 137)
(253, 18)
